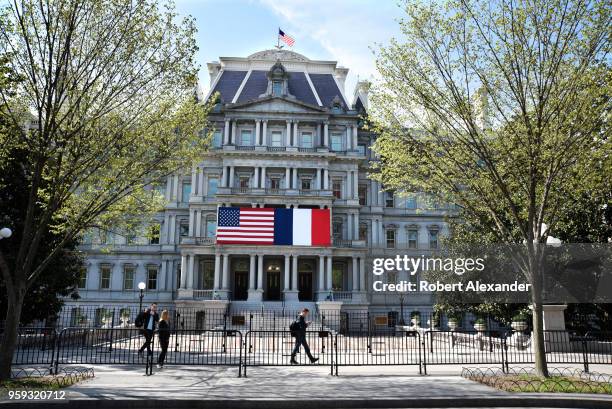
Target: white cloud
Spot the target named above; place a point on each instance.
(345, 29)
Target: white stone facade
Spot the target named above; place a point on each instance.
(270, 151)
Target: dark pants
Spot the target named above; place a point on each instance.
(163, 343)
(148, 334)
(300, 339)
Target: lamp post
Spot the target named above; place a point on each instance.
(402, 322)
(141, 287)
(5, 233)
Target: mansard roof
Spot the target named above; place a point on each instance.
(241, 80)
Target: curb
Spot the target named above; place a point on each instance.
(459, 402)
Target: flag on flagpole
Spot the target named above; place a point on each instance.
(285, 38)
(273, 226)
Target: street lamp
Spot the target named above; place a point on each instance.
(141, 287)
(5, 233)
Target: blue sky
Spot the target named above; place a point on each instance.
(340, 30)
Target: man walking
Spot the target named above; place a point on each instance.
(148, 319)
(299, 331)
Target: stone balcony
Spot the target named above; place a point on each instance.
(250, 191)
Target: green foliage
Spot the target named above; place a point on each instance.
(104, 107)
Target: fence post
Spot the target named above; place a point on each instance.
(240, 354)
(54, 364)
(585, 355)
(224, 347)
(336, 352)
(250, 329)
(422, 356)
(504, 354)
(58, 349)
(369, 334)
(110, 343)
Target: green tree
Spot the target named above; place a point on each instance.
(45, 297)
(105, 110)
(493, 105)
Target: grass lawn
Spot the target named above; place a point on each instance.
(46, 383)
(531, 383)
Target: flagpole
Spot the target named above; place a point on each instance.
(278, 39)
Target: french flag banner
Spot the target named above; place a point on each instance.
(272, 226)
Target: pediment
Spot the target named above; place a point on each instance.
(276, 104)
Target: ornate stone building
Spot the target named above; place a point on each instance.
(286, 135)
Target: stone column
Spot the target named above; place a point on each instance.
(226, 262)
(176, 188)
(224, 176)
(294, 271)
(349, 226)
(233, 136)
(326, 134)
(318, 133)
(198, 223)
(263, 177)
(257, 122)
(168, 188)
(231, 176)
(288, 140)
(183, 271)
(373, 193)
(329, 273)
(356, 185)
(226, 132)
(356, 227)
(260, 272)
(362, 274)
(217, 271)
(355, 274)
(319, 181)
(348, 138)
(252, 272)
(287, 273)
(355, 137)
(287, 178)
(321, 273)
(191, 222)
(325, 179)
(201, 182)
(295, 181)
(264, 133)
(191, 268)
(255, 177)
(194, 181)
(295, 134)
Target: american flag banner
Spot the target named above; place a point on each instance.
(274, 226)
(285, 38)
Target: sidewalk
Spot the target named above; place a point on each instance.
(273, 383)
(304, 387)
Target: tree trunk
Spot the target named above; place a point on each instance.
(537, 341)
(539, 352)
(11, 329)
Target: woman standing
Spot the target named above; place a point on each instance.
(164, 337)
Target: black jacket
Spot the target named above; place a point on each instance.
(164, 331)
(301, 323)
(144, 318)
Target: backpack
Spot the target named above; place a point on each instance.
(294, 326)
(139, 322)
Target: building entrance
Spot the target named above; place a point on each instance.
(241, 285)
(305, 286)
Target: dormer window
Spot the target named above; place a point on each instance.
(278, 81)
(277, 88)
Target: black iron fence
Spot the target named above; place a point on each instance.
(354, 346)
